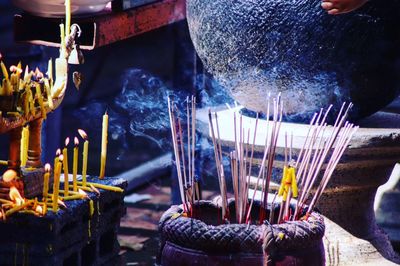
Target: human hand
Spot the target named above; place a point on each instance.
(336, 7)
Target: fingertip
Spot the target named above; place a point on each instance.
(334, 11)
(326, 5)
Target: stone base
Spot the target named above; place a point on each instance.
(33, 182)
(349, 197)
(343, 248)
(69, 237)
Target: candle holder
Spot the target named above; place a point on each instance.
(76, 235)
(28, 107)
(41, 223)
(31, 176)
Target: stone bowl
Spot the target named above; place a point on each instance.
(313, 59)
(56, 8)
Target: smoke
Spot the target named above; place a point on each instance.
(139, 127)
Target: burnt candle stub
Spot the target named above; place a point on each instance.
(312, 58)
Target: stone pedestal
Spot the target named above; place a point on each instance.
(349, 198)
(35, 140)
(14, 160)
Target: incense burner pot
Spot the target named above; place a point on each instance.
(203, 240)
(293, 47)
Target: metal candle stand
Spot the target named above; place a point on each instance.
(84, 231)
(14, 125)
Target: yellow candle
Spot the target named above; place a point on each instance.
(48, 91)
(67, 16)
(56, 185)
(45, 207)
(104, 146)
(31, 101)
(62, 36)
(46, 178)
(85, 155)
(19, 69)
(75, 164)
(40, 100)
(65, 164)
(5, 88)
(4, 70)
(26, 102)
(105, 187)
(15, 75)
(58, 153)
(24, 145)
(27, 74)
(50, 70)
(2, 89)
(14, 81)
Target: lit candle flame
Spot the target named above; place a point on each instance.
(66, 142)
(9, 175)
(94, 189)
(60, 202)
(83, 134)
(39, 210)
(83, 193)
(26, 70)
(58, 152)
(61, 157)
(76, 141)
(15, 196)
(38, 73)
(15, 69)
(47, 167)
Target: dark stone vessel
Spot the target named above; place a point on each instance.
(314, 59)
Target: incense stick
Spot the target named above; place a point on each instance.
(185, 163)
(217, 156)
(321, 153)
(194, 147)
(176, 152)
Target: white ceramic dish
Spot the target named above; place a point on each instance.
(56, 8)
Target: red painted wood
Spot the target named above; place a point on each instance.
(101, 29)
(118, 26)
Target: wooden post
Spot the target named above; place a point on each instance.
(35, 149)
(14, 160)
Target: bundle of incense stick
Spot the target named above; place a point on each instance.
(185, 160)
(321, 148)
(242, 161)
(218, 162)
